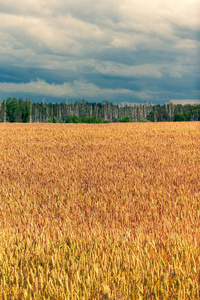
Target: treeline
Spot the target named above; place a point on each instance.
(174, 113)
(19, 110)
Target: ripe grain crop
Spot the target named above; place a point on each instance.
(103, 211)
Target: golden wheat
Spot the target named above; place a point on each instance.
(108, 211)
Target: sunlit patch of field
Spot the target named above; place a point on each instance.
(108, 211)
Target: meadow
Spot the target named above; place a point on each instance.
(101, 211)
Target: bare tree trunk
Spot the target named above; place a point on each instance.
(30, 119)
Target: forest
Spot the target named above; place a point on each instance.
(26, 111)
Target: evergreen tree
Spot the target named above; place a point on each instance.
(12, 110)
(24, 110)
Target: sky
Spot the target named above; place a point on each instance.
(115, 50)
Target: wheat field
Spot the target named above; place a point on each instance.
(102, 211)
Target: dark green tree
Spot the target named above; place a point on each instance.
(187, 116)
(195, 114)
(150, 116)
(179, 117)
(165, 115)
(24, 110)
(12, 110)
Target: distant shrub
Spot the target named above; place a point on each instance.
(144, 120)
(55, 120)
(125, 119)
(88, 120)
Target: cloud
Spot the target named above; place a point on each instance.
(80, 89)
(76, 27)
(88, 41)
(86, 90)
(186, 101)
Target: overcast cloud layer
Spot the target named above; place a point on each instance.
(115, 50)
